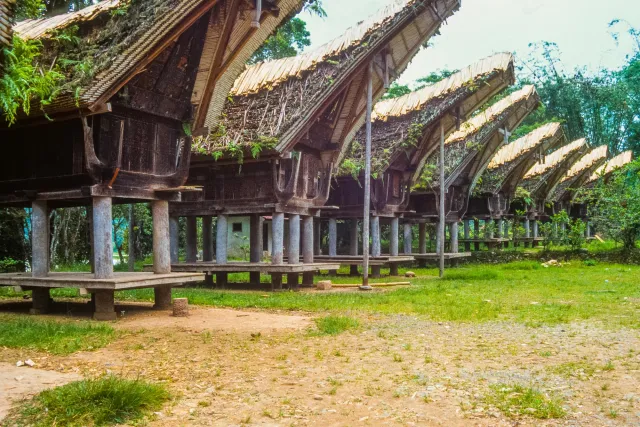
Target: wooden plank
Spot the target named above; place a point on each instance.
(87, 281)
(250, 267)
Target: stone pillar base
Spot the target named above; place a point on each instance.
(162, 298)
(307, 278)
(222, 280)
(393, 270)
(104, 305)
(254, 278)
(293, 280)
(41, 301)
(276, 281)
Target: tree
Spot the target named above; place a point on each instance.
(290, 38)
(26, 9)
(396, 90)
(614, 205)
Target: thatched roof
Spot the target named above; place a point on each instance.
(6, 19)
(317, 98)
(524, 145)
(121, 45)
(588, 160)
(555, 158)
(612, 165)
(399, 125)
(418, 99)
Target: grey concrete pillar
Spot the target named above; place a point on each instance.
(527, 228)
(40, 300)
(293, 249)
(489, 225)
(476, 234)
(438, 241)
(162, 297)
(131, 252)
(353, 237)
(207, 238)
(39, 239)
(376, 247)
(587, 229)
(221, 239)
(534, 223)
(174, 233)
(161, 237)
(499, 227)
(255, 245)
(308, 245)
(422, 238)
(277, 236)
(393, 236)
(102, 238)
(408, 242)
(333, 237)
(453, 230)
(192, 239)
(104, 304)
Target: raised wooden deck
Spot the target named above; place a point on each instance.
(120, 281)
(358, 259)
(447, 256)
(252, 267)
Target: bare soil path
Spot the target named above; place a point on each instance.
(228, 367)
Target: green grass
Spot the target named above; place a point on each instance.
(520, 291)
(515, 401)
(53, 336)
(334, 325)
(98, 402)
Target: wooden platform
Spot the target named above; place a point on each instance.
(486, 241)
(358, 259)
(252, 267)
(120, 281)
(447, 256)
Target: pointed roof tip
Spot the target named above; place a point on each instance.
(521, 145)
(555, 158)
(592, 157)
(501, 62)
(267, 74)
(617, 162)
(479, 120)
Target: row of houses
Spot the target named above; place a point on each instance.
(171, 115)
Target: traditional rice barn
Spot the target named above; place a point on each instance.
(119, 131)
(497, 186)
(564, 194)
(542, 179)
(285, 127)
(468, 151)
(610, 166)
(405, 131)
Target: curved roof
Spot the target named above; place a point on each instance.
(588, 160)
(522, 145)
(616, 163)
(555, 158)
(415, 100)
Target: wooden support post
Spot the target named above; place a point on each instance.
(454, 237)
(499, 227)
(317, 237)
(293, 251)
(408, 242)
(255, 246)
(192, 239)
(441, 212)
(308, 244)
(467, 234)
(104, 304)
(422, 243)
(367, 180)
(534, 226)
(353, 244)
(174, 233)
(333, 241)
(221, 249)
(376, 247)
(207, 246)
(277, 237)
(162, 298)
(39, 239)
(393, 236)
(40, 300)
(102, 238)
(476, 233)
(489, 226)
(131, 240)
(587, 229)
(161, 251)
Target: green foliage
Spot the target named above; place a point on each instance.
(515, 400)
(396, 90)
(53, 336)
(614, 205)
(334, 325)
(97, 402)
(25, 80)
(523, 195)
(575, 237)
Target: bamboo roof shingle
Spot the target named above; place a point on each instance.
(555, 158)
(588, 160)
(524, 145)
(6, 19)
(158, 23)
(579, 173)
(468, 76)
(612, 165)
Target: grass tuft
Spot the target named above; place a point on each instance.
(515, 400)
(334, 325)
(97, 402)
(53, 336)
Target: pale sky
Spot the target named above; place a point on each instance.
(483, 27)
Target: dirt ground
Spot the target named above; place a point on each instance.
(228, 367)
